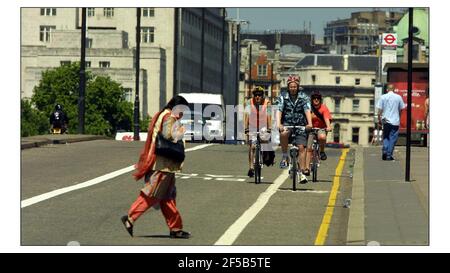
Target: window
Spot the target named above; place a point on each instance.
(128, 94)
(336, 132)
(147, 35)
(371, 129)
(65, 63)
(148, 12)
(337, 105)
(44, 33)
(371, 106)
(90, 12)
(262, 70)
(108, 12)
(355, 135)
(355, 106)
(373, 81)
(88, 42)
(357, 81)
(338, 80)
(104, 64)
(313, 78)
(87, 64)
(48, 12)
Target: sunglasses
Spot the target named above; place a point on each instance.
(316, 98)
(258, 95)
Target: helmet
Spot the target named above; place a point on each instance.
(293, 78)
(316, 94)
(258, 90)
(58, 107)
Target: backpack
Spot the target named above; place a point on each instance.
(268, 158)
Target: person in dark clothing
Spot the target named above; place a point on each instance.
(58, 119)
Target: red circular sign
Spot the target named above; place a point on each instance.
(389, 39)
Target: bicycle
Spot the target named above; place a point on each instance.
(315, 157)
(293, 153)
(258, 161)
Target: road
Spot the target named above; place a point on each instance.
(213, 195)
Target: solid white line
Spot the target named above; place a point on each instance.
(237, 227)
(100, 179)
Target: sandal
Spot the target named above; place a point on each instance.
(128, 225)
(306, 172)
(180, 234)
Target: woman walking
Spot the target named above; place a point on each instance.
(159, 171)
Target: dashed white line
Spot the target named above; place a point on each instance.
(42, 197)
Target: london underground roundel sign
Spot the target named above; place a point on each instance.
(389, 39)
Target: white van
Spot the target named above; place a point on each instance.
(207, 118)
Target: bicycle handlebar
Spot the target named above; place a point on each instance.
(295, 127)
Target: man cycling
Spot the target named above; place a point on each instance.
(321, 118)
(294, 109)
(256, 118)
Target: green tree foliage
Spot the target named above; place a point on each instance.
(33, 121)
(105, 107)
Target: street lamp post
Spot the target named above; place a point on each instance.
(136, 97)
(81, 97)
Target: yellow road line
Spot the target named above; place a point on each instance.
(323, 230)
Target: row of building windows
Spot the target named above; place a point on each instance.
(101, 64)
(147, 35)
(196, 21)
(355, 105)
(107, 12)
(338, 80)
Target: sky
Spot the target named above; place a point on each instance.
(293, 18)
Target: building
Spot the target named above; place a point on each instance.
(420, 36)
(346, 83)
(181, 49)
(276, 39)
(359, 34)
(259, 68)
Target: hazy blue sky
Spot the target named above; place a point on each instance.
(293, 18)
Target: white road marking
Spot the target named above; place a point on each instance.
(100, 179)
(237, 227)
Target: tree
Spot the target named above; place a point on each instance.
(33, 122)
(106, 108)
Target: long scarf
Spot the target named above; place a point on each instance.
(147, 158)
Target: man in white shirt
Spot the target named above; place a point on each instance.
(389, 107)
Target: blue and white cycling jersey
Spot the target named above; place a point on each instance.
(293, 112)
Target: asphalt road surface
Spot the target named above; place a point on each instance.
(218, 203)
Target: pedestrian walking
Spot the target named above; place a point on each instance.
(389, 107)
(159, 170)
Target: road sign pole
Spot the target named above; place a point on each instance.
(408, 113)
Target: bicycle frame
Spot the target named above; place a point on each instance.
(257, 164)
(293, 154)
(315, 158)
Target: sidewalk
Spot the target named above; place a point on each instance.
(36, 141)
(385, 209)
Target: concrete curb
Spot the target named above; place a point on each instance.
(27, 144)
(356, 228)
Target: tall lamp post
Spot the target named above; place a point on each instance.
(238, 23)
(138, 53)
(81, 96)
(409, 96)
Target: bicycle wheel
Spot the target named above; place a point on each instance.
(257, 166)
(314, 163)
(294, 174)
(314, 171)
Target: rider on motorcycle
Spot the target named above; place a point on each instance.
(58, 119)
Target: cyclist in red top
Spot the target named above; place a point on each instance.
(321, 118)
